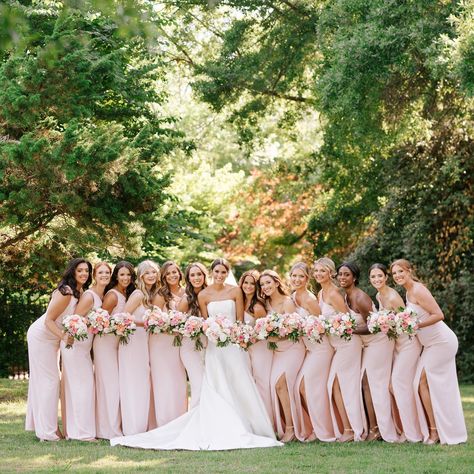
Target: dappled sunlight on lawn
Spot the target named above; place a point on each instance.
(117, 463)
(12, 412)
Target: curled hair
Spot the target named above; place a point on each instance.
(114, 279)
(68, 283)
(354, 269)
(220, 261)
(301, 266)
(282, 289)
(379, 266)
(406, 265)
(190, 292)
(328, 264)
(165, 290)
(256, 298)
(148, 295)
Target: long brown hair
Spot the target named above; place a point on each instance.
(114, 279)
(165, 290)
(256, 298)
(191, 294)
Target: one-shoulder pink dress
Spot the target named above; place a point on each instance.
(79, 387)
(346, 366)
(377, 357)
(261, 363)
(438, 360)
(134, 375)
(44, 381)
(315, 372)
(168, 377)
(107, 383)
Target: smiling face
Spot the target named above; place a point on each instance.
(149, 276)
(196, 277)
(124, 277)
(269, 285)
(377, 278)
(345, 277)
(219, 274)
(249, 286)
(81, 274)
(298, 279)
(321, 274)
(102, 275)
(401, 275)
(173, 275)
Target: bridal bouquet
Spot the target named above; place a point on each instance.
(314, 328)
(156, 321)
(192, 328)
(341, 325)
(98, 321)
(242, 335)
(76, 327)
(384, 321)
(407, 322)
(123, 326)
(218, 329)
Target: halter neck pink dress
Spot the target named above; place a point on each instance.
(314, 372)
(134, 378)
(107, 384)
(377, 357)
(78, 383)
(405, 359)
(261, 363)
(438, 360)
(168, 376)
(43, 383)
(346, 366)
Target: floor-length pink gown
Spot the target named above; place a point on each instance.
(405, 359)
(314, 373)
(44, 381)
(438, 360)
(79, 387)
(134, 375)
(287, 361)
(107, 386)
(261, 359)
(193, 361)
(346, 366)
(168, 376)
(377, 358)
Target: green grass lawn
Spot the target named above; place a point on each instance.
(20, 451)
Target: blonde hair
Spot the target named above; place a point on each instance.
(301, 266)
(98, 265)
(148, 295)
(282, 289)
(406, 265)
(328, 264)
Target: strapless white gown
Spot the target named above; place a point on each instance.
(231, 414)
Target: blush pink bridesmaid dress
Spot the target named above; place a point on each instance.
(44, 381)
(405, 359)
(168, 377)
(107, 387)
(346, 366)
(78, 384)
(315, 420)
(261, 359)
(438, 360)
(377, 357)
(193, 362)
(134, 379)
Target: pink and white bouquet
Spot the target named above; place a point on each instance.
(156, 321)
(98, 321)
(384, 321)
(287, 325)
(242, 335)
(177, 320)
(218, 329)
(407, 322)
(123, 326)
(292, 326)
(314, 328)
(341, 325)
(75, 326)
(192, 328)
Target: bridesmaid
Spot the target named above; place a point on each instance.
(260, 357)
(134, 359)
(105, 348)
(287, 359)
(168, 375)
(377, 358)
(44, 337)
(312, 402)
(193, 360)
(436, 383)
(78, 371)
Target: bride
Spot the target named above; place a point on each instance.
(231, 414)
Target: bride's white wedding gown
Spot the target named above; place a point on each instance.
(231, 414)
